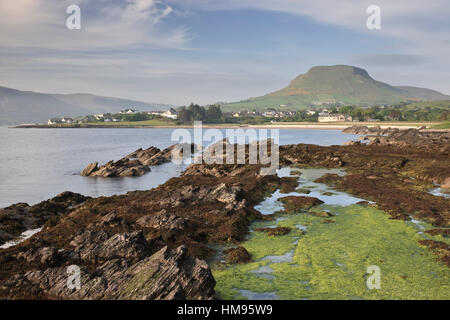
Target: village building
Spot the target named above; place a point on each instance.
(54, 121)
(66, 120)
(127, 111)
(329, 117)
(172, 114)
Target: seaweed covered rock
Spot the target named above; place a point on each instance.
(330, 179)
(294, 204)
(20, 217)
(440, 249)
(288, 184)
(274, 232)
(237, 255)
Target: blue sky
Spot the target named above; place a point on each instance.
(182, 51)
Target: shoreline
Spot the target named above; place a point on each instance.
(287, 125)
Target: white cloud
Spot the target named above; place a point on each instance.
(415, 22)
(41, 23)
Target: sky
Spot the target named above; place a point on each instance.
(207, 51)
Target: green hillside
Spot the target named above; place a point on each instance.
(335, 84)
(18, 106)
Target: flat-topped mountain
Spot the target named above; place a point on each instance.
(337, 84)
(28, 107)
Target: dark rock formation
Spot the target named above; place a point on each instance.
(136, 163)
(406, 137)
(127, 273)
(121, 168)
(369, 130)
(20, 217)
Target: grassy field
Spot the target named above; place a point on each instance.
(134, 123)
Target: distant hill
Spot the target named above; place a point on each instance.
(28, 107)
(336, 84)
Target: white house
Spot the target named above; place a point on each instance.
(128, 111)
(54, 121)
(172, 114)
(66, 120)
(327, 117)
(269, 114)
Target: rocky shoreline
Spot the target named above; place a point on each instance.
(154, 244)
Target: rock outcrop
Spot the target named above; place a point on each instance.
(136, 163)
(294, 204)
(369, 130)
(127, 271)
(407, 137)
(20, 217)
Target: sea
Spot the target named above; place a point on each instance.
(37, 164)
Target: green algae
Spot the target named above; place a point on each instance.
(330, 261)
(303, 190)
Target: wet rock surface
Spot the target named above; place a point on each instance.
(20, 217)
(164, 275)
(136, 163)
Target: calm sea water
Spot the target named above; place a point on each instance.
(37, 164)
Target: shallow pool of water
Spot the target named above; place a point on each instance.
(250, 295)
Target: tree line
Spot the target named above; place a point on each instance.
(194, 112)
